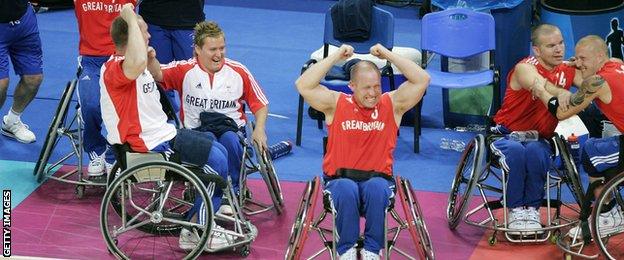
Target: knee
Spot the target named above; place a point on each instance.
(231, 141)
(344, 190)
(536, 151)
(32, 82)
(218, 159)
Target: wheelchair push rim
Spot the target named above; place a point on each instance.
(52, 135)
(415, 219)
(303, 219)
(466, 174)
(609, 241)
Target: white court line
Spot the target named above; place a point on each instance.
(273, 115)
(32, 258)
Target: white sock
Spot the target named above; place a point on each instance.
(12, 117)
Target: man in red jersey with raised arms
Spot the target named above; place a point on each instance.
(362, 131)
(527, 162)
(604, 85)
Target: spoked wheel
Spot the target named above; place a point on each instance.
(570, 174)
(122, 230)
(52, 138)
(267, 170)
(415, 219)
(608, 228)
(304, 218)
(149, 196)
(466, 176)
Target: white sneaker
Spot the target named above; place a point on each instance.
(368, 255)
(219, 239)
(351, 254)
(225, 210)
(516, 220)
(188, 240)
(17, 130)
(97, 165)
(532, 220)
(609, 222)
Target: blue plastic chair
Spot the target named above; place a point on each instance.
(382, 32)
(458, 33)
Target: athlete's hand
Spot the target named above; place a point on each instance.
(259, 137)
(379, 51)
(127, 12)
(345, 51)
(564, 100)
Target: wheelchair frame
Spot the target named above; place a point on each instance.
(60, 127)
(242, 231)
(306, 222)
(479, 169)
(264, 166)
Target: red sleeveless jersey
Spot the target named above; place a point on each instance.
(361, 138)
(521, 111)
(613, 73)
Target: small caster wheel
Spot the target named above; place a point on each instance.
(245, 250)
(492, 240)
(80, 190)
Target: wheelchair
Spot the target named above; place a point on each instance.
(589, 241)
(478, 168)
(68, 126)
(263, 165)
(148, 195)
(408, 217)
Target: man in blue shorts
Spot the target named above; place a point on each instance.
(19, 40)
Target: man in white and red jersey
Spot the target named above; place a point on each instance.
(604, 85)
(95, 47)
(528, 162)
(362, 132)
(211, 82)
(133, 115)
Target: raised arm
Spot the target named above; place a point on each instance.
(412, 90)
(153, 65)
(317, 95)
(135, 53)
(592, 87)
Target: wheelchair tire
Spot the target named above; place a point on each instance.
(52, 136)
(613, 189)
(466, 176)
(267, 170)
(304, 217)
(123, 241)
(571, 174)
(415, 219)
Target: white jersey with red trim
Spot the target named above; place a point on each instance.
(222, 92)
(131, 109)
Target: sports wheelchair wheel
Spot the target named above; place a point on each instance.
(569, 173)
(610, 241)
(155, 180)
(267, 170)
(415, 219)
(59, 120)
(305, 213)
(466, 176)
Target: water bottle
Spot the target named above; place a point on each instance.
(575, 149)
(524, 136)
(280, 149)
(452, 144)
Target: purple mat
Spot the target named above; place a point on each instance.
(52, 222)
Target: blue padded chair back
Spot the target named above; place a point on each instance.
(458, 33)
(382, 31)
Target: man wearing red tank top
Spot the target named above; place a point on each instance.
(362, 136)
(603, 84)
(528, 162)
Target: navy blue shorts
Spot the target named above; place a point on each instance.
(20, 41)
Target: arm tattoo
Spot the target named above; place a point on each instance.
(589, 87)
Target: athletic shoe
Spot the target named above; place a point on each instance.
(17, 130)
